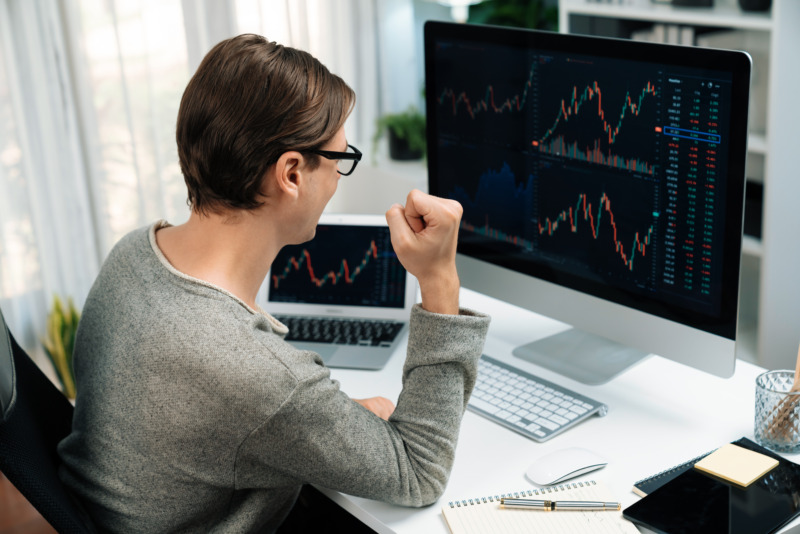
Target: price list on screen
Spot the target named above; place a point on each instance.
(691, 175)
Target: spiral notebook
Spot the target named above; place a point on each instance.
(484, 515)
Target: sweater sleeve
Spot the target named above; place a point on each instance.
(320, 436)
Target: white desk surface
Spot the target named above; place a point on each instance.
(660, 414)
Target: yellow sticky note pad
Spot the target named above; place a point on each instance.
(737, 464)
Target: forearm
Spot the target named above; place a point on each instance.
(440, 294)
(438, 377)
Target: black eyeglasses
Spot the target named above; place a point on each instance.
(347, 160)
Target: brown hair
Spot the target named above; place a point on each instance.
(249, 102)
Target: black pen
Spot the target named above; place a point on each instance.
(575, 506)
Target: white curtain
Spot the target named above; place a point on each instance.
(47, 240)
(129, 62)
(89, 93)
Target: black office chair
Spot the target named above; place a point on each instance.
(34, 417)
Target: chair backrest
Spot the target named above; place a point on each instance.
(34, 417)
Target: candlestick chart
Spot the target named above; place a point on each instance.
(582, 211)
(490, 104)
(609, 226)
(557, 107)
(588, 128)
(350, 265)
(345, 274)
(589, 226)
(513, 101)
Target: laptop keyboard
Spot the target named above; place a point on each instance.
(527, 404)
(362, 332)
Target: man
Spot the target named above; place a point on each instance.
(192, 413)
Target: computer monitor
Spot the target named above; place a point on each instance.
(602, 182)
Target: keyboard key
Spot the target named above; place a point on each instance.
(558, 419)
(483, 405)
(547, 423)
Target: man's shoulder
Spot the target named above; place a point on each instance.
(132, 243)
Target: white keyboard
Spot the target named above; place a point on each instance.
(527, 404)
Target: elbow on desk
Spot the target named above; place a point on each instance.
(420, 500)
(431, 499)
(424, 489)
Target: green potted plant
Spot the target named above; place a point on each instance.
(536, 14)
(406, 134)
(59, 341)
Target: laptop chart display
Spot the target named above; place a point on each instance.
(342, 266)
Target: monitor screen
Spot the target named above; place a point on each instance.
(603, 174)
(344, 265)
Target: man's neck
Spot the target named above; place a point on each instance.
(233, 253)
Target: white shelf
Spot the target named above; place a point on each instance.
(725, 14)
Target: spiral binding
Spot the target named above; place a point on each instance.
(674, 469)
(521, 494)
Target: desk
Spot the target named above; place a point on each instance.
(660, 414)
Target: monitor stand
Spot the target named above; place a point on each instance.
(580, 356)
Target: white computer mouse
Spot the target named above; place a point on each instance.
(562, 465)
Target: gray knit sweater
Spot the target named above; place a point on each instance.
(194, 415)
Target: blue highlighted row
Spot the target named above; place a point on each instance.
(692, 134)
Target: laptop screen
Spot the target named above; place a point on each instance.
(344, 265)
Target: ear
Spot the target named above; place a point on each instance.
(289, 173)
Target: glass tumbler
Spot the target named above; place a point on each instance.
(777, 421)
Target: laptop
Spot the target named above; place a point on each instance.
(344, 294)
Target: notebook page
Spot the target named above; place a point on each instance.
(489, 518)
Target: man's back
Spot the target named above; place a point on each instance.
(168, 372)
